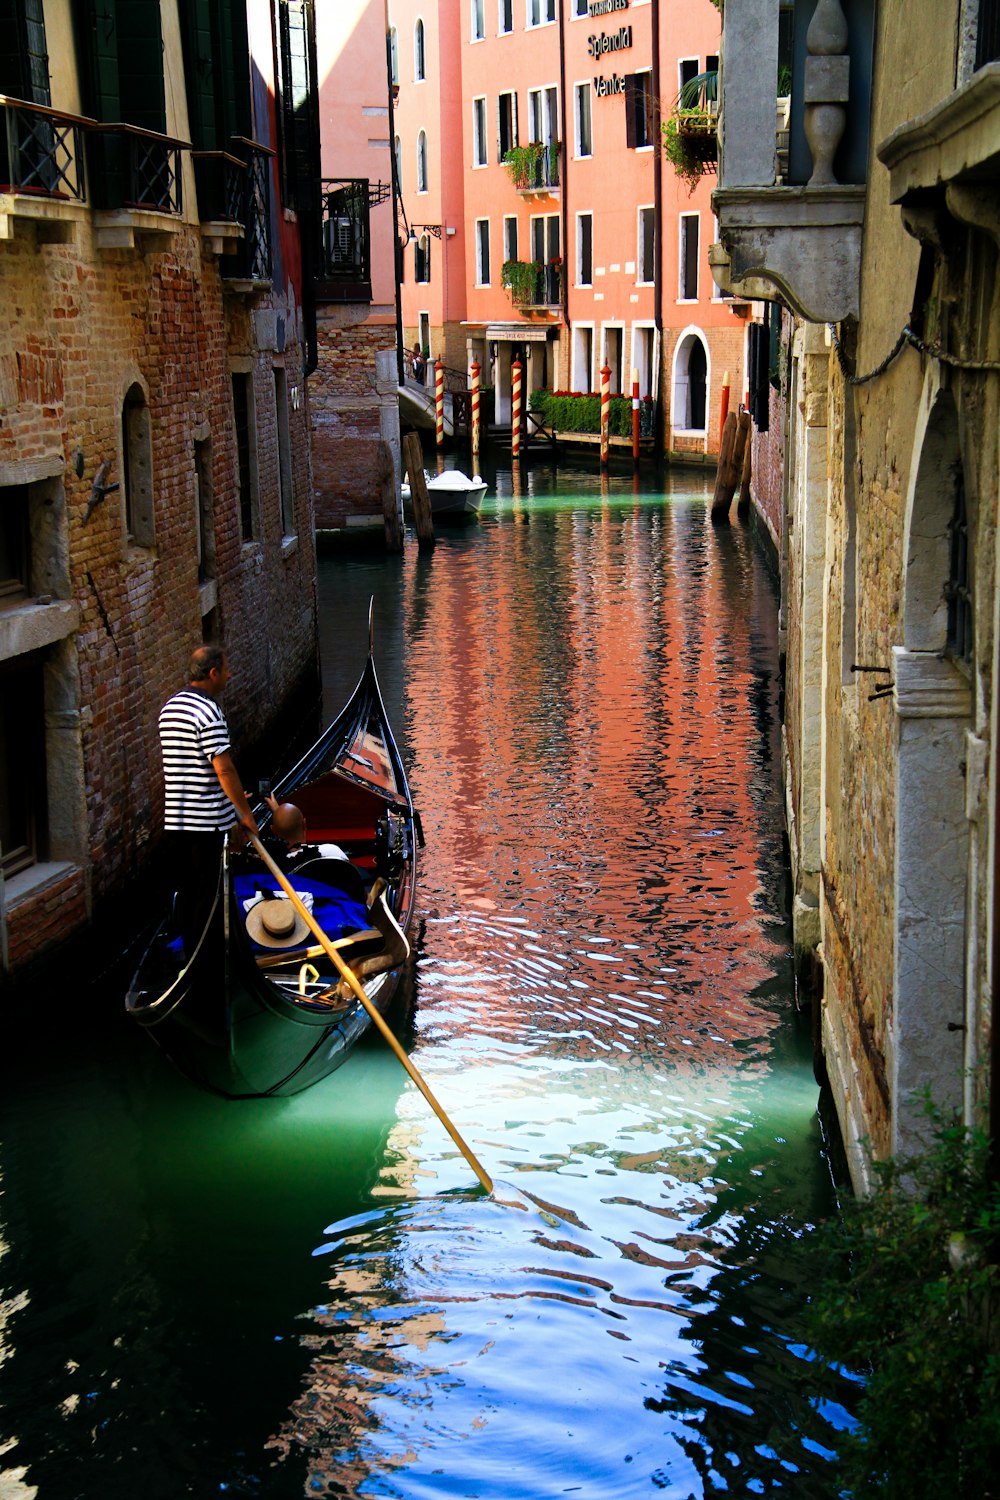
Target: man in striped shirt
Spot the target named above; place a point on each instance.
(203, 794)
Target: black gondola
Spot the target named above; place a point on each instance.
(258, 1008)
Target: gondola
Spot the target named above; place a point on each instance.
(258, 1009)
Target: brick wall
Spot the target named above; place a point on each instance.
(79, 326)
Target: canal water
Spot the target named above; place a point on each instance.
(313, 1296)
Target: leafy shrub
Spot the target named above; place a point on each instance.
(911, 1296)
(567, 412)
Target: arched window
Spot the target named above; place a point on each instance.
(419, 60)
(422, 258)
(137, 467)
(393, 55)
(689, 407)
(422, 162)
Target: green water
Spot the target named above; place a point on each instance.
(312, 1296)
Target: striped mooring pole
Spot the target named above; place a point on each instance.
(515, 409)
(605, 412)
(439, 402)
(475, 373)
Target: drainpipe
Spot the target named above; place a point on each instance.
(396, 195)
(558, 382)
(654, 20)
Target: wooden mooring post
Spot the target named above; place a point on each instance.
(734, 440)
(413, 458)
(743, 504)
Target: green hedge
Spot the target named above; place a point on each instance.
(566, 413)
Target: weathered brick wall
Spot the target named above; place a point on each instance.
(35, 927)
(79, 325)
(767, 466)
(345, 418)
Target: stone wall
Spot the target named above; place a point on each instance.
(346, 418)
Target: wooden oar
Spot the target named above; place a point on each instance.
(358, 989)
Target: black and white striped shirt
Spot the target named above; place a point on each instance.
(193, 730)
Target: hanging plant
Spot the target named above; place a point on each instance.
(691, 145)
(523, 162)
(520, 277)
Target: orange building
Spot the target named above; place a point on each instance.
(546, 223)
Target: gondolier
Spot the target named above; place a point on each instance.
(203, 794)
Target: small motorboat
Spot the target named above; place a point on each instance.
(258, 1007)
(451, 493)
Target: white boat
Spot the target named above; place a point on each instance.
(451, 493)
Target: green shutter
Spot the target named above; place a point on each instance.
(24, 61)
(199, 81)
(140, 72)
(97, 35)
(232, 50)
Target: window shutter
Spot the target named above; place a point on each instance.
(631, 91)
(140, 80)
(97, 31)
(199, 78)
(24, 60)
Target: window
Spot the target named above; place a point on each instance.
(584, 249)
(419, 60)
(22, 763)
(638, 110)
(506, 124)
(506, 17)
(988, 33)
(541, 11)
(646, 258)
(580, 8)
(584, 134)
(398, 148)
(137, 468)
(688, 290)
(284, 453)
(393, 55)
(246, 453)
(614, 355)
(687, 68)
(583, 358)
(297, 101)
(482, 252)
(478, 20)
(479, 157)
(425, 335)
(546, 251)
(422, 258)
(422, 162)
(15, 548)
(204, 509)
(510, 237)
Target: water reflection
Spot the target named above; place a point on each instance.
(589, 708)
(310, 1296)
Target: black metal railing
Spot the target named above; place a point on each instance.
(246, 181)
(135, 168)
(988, 36)
(44, 151)
(344, 270)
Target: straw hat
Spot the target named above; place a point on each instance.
(276, 924)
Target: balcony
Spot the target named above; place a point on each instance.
(534, 169)
(792, 225)
(135, 179)
(243, 196)
(344, 269)
(533, 285)
(42, 177)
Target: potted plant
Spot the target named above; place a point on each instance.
(690, 142)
